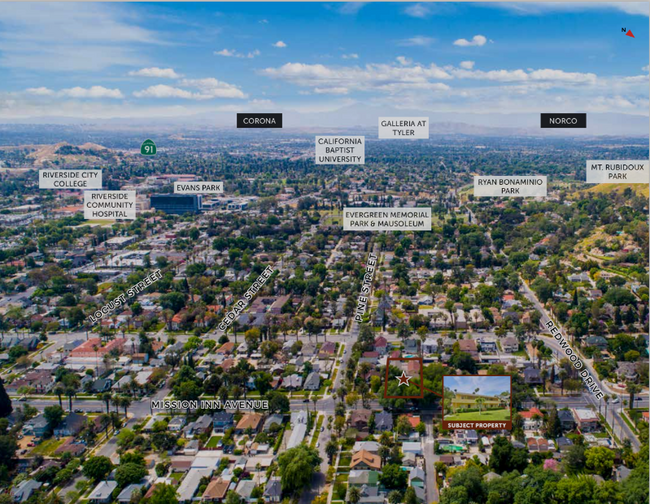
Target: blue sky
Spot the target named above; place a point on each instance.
(101, 60)
(488, 385)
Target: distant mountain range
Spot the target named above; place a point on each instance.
(363, 119)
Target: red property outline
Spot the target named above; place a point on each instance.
(421, 396)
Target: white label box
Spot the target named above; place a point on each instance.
(618, 172)
(70, 179)
(387, 219)
(512, 186)
(198, 187)
(340, 150)
(404, 127)
(109, 205)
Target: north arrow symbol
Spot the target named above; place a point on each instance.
(630, 34)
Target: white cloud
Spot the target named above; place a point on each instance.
(92, 92)
(350, 56)
(332, 91)
(403, 60)
(477, 40)
(418, 40)
(162, 73)
(264, 21)
(231, 53)
(207, 89)
(164, 91)
(536, 8)
(646, 68)
(72, 37)
(40, 91)
(418, 10)
(351, 7)
(467, 65)
(279, 43)
(372, 77)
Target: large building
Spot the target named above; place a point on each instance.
(176, 203)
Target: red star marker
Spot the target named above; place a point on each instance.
(403, 380)
(630, 34)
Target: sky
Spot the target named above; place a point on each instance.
(108, 60)
(488, 385)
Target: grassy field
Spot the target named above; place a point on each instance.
(474, 416)
(47, 447)
(212, 443)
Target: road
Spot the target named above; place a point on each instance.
(555, 346)
(430, 459)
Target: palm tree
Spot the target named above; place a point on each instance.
(354, 495)
(126, 402)
(632, 389)
(106, 397)
(480, 401)
(59, 390)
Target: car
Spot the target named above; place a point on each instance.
(322, 429)
(161, 384)
(616, 400)
(30, 444)
(78, 410)
(305, 400)
(317, 445)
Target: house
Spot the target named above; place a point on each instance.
(465, 400)
(509, 344)
(36, 426)
(101, 385)
(190, 483)
(359, 419)
(381, 345)
(200, 426)
(216, 490)
(327, 349)
(101, 494)
(416, 476)
(176, 424)
(24, 490)
(365, 460)
(596, 341)
(586, 420)
(430, 346)
(412, 447)
(273, 490)
(41, 381)
(71, 425)
(125, 495)
(249, 421)
(532, 376)
(383, 421)
(370, 446)
(566, 420)
(411, 346)
(275, 419)
(292, 382)
(488, 345)
(363, 477)
(222, 421)
(563, 443)
(533, 419)
(626, 371)
(245, 490)
(468, 346)
(312, 382)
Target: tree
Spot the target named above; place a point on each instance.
(163, 494)
(354, 495)
(393, 478)
(394, 497)
(331, 449)
(53, 415)
(410, 496)
(575, 459)
(297, 467)
(97, 468)
(128, 473)
(632, 389)
(233, 497)
(5, 402)
(600, 460)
